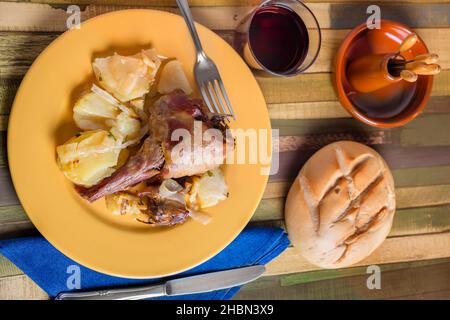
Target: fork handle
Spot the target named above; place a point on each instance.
(187, 15)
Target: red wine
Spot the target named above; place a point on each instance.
(279, 39)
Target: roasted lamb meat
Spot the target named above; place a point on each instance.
(164, 212)
(160, 153)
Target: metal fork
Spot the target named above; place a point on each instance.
(205, 70)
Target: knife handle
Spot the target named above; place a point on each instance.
(136, 293)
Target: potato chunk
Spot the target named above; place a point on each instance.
(208, 190)
(92, 111)
(127, 77)
(125, 127)
(88, 158)
(172, 78)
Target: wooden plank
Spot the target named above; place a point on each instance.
(8, 90)
(426, 130)
(421, 176)
(412, 216)
(270, 214)
(332, 39)
(409, 137)
(320, 275)
(414, 133)
(430, 128)
(424, 14)
(397, 158)
(433, 295)
(281, 111)
(17, 229)
(409, 248)
(316, 140)
(209, 3)
(301, 138)
(421, 221)
(401, 249)
(423, 196)
(285, 100)
(7, 195)
(412, 221)
(7, 268)
(43, 17)
(329, 15)
(307, 110)
(333, 109)
(320, 88)
(277, 189)
(418, 132)
(314, 143)
(156, 3)
(277, 111)
(406, 221)
(407, 197)
(412, 177)
(272, 206)
(3, 122)
(415, 157)
(20, 287)
(15, 223)
(12, 214)
(18, 51)
(410, 282)
(15, 65)
(3, 156)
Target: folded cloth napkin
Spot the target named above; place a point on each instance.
(50, 269)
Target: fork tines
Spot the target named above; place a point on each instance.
(216, 98)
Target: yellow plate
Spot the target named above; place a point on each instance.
(41, 119)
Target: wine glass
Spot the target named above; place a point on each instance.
(279, 37)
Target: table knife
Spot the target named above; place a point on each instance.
(195, 284)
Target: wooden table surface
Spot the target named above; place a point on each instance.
(415, 259)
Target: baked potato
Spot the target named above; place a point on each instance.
(89, 157)
(207, 190)
(99, 110)
(127, 77)
(172, 78)
(92, 111)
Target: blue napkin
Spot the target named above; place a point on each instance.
(51, 270)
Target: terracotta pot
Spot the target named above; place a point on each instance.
(370, 73)
(375, 45)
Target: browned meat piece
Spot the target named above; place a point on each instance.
(165, 212)
(178, 111)
(162, 211)
(142, 166)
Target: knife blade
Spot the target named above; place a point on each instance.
(189, 285)
(213, 281)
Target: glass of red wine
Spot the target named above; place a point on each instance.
(280, 37)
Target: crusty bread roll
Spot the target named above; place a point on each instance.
(341, 206)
